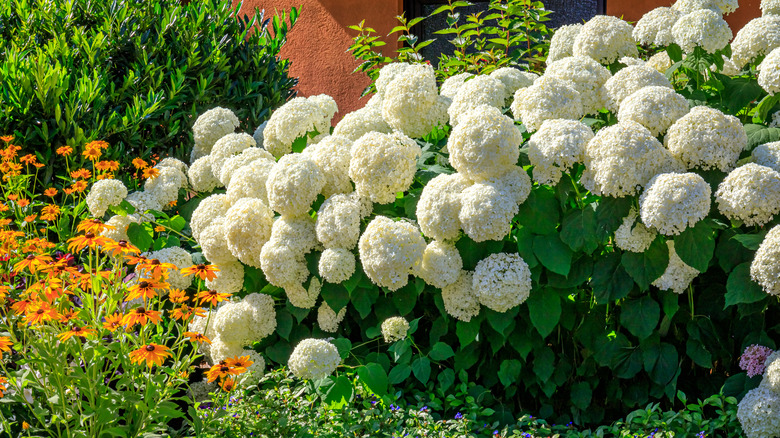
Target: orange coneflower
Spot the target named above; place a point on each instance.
(23, 203)
(91, 153)
(32, 262)
(150, 172)
(5, 344)
(50, 212)
(145, 289)
(228, 384)
(40, 312)
(177, 296)
(3, 386)
(139, 163)
(93, 225)
(140, 315)
(79, 186)
(3, 207)
(89, 239)
(220, 370)
(97, 144)
(205, 272)
(196, 337)
(7, 138)
(153, 354)
(51, 192)
(156, 268)
(159, 229)
(80, 173)
(30, 218)
(107, 165)
(76, 331)
(38, 165)
(68, 190)
(185, 312)
(239, 364)
(28, 159)
(212, 297)
(21, 306)
(64, 150)
(68, 316)
(113, 322)
(122, 247)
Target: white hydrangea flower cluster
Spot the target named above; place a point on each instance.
(411, 102)
(660, 62)
(765, 268)
(250, 181)
(624, 157)
(336, 265)
(677, 275)
(750, 193)
(230, 278)
(358, 123)
(338, 221)
(502, 281)
(143, 201)
(394, 329)
(630, 80)
(673, 202)
(293, 184)
(213, 242)
(768, 155)
(655, 108)
(605, 39)
(383, 165)
(439, 206)
(255, 371)
(236, 324)
(655, 27)
(387, 74)
(226, 148)
(247, 227)
(451, 85)
(513, 80)
(329, 320)
(478, 91)
(562, 42)
(632, 235)
(485, 145)
(390, 251)
(178, 257)
(771, 379)
(556, 147)
(295, 119)
(769, 72)
(770, 7)
(333, 154)
(487, 208)
(201, 176)
(235, 162)
(314, 359)
(105, 193)
(548, 98)
(588, 78)
(441, 264)
(707, 138)
(210, 127)
(688, 6)
(757, 38)
(459, 298)
(166, 185)
(702, 28)
(759, 413)
(119, 224)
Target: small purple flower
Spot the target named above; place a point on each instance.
(458, 416)
(424, 409)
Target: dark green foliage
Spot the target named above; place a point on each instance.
(135, 73)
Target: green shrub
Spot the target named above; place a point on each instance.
(134, 73)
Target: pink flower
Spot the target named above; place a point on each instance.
(752, 360)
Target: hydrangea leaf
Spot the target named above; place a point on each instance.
(695, 246)
(374, 377)
(441, 351)
(581, 395)
(640, 316)
(646, 267)
(610, 281)
(553, 253)
(509, 371)
(421, 367)
(340, 393)
(335, 295)
(540, 212)
(741, 289)
(399, 374)
(579, 230)
(544, 306)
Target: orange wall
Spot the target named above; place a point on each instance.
(317, 44)
(633, 10)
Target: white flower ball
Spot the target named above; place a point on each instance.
(165, 186)
(630, 80)
(548, 98)
(485, 144)
(230, 278)
(119, 224)
(441, 264)
(502, 281)
(514, 183)
(383, 165)
(105, 193)
(220, 350)
(757, 38)
(247, 228)
(768, 155)
(301, 297)
(655, 27)
(332, 155)
(358, 123)
(201, 175)
(562, 42)
(605, 39)
(394, 329)
(765, 268)
(328, 320)
(556, 147)
(293, 120)
(660, 62)
(389, 251)
(210, 127)
(673, 202)
(770, 7)
(247, 156)
(759, 413)
(208, 210)
(314, 359)
(677, 275)
(293, 185)
(769, 72)
(255, 371)
(144, 201)
(250, 181)
(387, 74)
(263, 322)
(439, 206)
(688, 6)
(296, 233)
(475, 92)
(486, 212)
(336, 265)
(633, 235)
(622, 158)
(172, 162)
(232, 323)
(411, 102)
(513, 80)
(338, 222)
(459, 299)
(655, 108)
(750, 193)
(588, 78)
(703, 28)
(282, 266)
(707, 138)
(227, 147)
(451, 85)
(213, 242)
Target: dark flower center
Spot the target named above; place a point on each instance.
(40, 311)
(90, 235)
(140, 310)
(122, 243)
(30, 257)
(224, 369)
(150, 348)
(155, 262)
(143, 284)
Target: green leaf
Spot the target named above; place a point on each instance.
(340, 393)
(660, 362)
(446, 378)
(675, 52)
(553, 253)
(405, 299)
(740, 92)
(751, 241)
(335, 295)
(544, 359)
(399, 373)
(610, 281)
(374, 377)
(353, 281)
(698, 352)
(501, 321)
(581, 395)
(140, 236)
(544, 307)
(610, 213)
(765, 107)
(421, 367)
(540, 212)
(509, 371)
(646, 267)
(363, 299)
(441, 351)
(696, 246)
(741, 289)
(579, 230)
(284, 323)
(467, 331)
(343, 345)
(640, 316)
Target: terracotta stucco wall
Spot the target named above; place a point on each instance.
(317, 44)
(633, 10)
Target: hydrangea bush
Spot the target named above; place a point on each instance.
(579, 243)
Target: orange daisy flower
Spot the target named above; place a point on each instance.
(81, 173)
(197, 337)
(141, 316)
(150, 172)
(153, 354)
(113, 322)
(212, 297)
(7, 138)
(93, 225)
(79, 186)
(30, 218)
(205, 272)
(89, 239)
(64, 151)
(177, 296)
(50, 212)
(185, 312)
(139, 163)
(75, 330)
(5, 345)
(68, 316)
(21, 306)
(144, 289)
(228, 385)
(220, 370)
(122, 247)
(91, 153)
(23, 203)
(155, 268)
(239, 364)
(28, 159)
(40, 312)
(33, 262)
(107, 175)
(3, 386)
(68, 190)
(97, 144)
